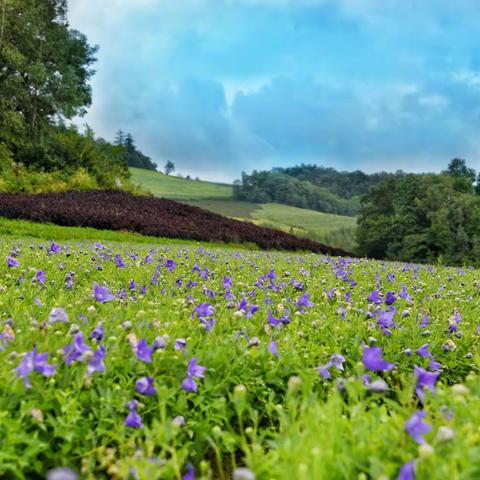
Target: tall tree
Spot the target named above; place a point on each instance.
(169, 168)
(45, 69)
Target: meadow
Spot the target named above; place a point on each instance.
(129, 359)
(329, 229)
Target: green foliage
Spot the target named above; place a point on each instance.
(133, 156)
(342, 184)
(268, 187)
(273, 415)
(420, 218)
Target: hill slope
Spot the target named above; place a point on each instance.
(117, 210)
(334, 230)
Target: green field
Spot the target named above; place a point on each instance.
(169, 186)
(126, 360)
(334, 230)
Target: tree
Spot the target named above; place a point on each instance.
(45, 69)
(169, 168)
(119, 138)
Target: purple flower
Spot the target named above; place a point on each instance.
(144, 386)
(434, 365)
(97, 333)
(193, 371)
(143, 351)
(190, 473)
(11, 262)
(180, 344)
(336, 360)
(75, 350)
(102, 294)
(158, 343)
(423, 351)
(425, 380)
(227, 282)
(203, 310)
(133, 419)
(375, 297)
(304, 301)
(415, 426)
(424, 321)
(372, 359)
(119, 261)
(403, 293)
(40, 277)
(390, 298)
(96, 362)
(54, 248)
(273, 321)
(170, 265)
(385, 321)
(272, 348)
(407, 471)
(57, 315)
(34, 361)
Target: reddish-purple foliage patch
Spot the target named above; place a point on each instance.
(116, 210)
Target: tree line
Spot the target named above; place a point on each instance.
(310, 186)
(423, 217)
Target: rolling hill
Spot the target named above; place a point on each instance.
(333, 230)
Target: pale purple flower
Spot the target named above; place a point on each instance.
(170, 265)
(144, 386)
(372, 359)
(96, 363)
(97, 333)
(390, 298)
(61, 473)
(407, 471)
(385, 321)
(158, 343)
(425, 380)
(336, 360)
(75, 350)
(180, 344)
(193, 371)
(12, 262)
(57, 315)
(203, 310)
(40, 277)
(54, 248)
(190, 473)
(34, 361)
(304, 301)
(133, 419)
(375, 297)
(416, 427)
(423, 351)
(272, 348)
(424, 321)
(143, 351)
(102, 294)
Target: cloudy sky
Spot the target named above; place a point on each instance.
(221, 86)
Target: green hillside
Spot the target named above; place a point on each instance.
(168, 186)
(333, 230)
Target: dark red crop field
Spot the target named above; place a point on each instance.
(116, 210)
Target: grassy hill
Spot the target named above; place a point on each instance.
(176, 188)
(333, 230)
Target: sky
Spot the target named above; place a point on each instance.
(224, 86)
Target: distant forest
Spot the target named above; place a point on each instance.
(310, 186)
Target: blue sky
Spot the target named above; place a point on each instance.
(221, 86)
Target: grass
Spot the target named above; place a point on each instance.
(44, 231)
(169, 186)
(333, 230)
(262, 403)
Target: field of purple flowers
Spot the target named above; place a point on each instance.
(133, 361)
